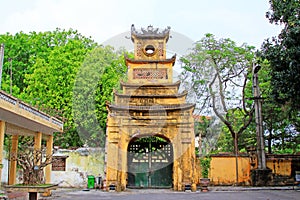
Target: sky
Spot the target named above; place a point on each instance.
(243, 21)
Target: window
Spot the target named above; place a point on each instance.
(59, 163)
(149, 50)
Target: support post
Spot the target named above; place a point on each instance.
(48, 168)
(13, 162)
(38, 141)
(2, 132)
(37, 145)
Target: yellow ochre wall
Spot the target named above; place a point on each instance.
(280, 166)
(223, 169)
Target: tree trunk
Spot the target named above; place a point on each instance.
(33, 177)
(236, 150)
(270, 141)
(282, 140)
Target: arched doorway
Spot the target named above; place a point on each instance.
(150, 162)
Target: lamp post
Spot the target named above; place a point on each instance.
(261, 175)
(261, 157)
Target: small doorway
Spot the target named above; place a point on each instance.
(150, 163)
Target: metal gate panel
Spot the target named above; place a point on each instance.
(150, 163)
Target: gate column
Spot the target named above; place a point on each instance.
(2, 132)
(13, 161)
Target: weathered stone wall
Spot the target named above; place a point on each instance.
(79, 164)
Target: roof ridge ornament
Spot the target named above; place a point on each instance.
(150, 32)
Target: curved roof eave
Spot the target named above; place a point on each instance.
(136, 85)
(185, 106)
(165, 61)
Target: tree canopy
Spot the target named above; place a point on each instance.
(45, 69)
(99, 74)
(217, 71)
(280, 58)
(283, 52)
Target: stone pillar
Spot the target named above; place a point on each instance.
(193, 164)
(124, 140)
(175, 168)
(119, 172)
(186, 167)
(13, 162)
(2, 132)
(38, 142)
(177, 165)
(111, 164)
(48, 168)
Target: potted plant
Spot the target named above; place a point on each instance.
(204, 180)
(32, 161)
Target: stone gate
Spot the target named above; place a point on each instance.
(150, 140)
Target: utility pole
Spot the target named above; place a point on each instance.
(261, 157)
(261, 175)
(1, 62)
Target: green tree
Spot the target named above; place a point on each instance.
(206, 128)
(22, 51)
(99, 75)
(16, 58)
(49, 84)
(278, 120)
(218, 71)
(245, 140)
(283, 52)
(46, 67)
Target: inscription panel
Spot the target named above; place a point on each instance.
(144, 73)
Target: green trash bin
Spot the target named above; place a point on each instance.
(91, 182)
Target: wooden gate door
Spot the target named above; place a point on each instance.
(150, 163)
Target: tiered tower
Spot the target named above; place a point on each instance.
(150, 129)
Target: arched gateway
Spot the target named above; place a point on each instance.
(150, 128)
(150, 162)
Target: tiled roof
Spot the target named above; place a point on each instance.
(168, 60)
(153, 95)
(154, 107)
(136, 85)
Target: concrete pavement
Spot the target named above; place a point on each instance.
(218, 193)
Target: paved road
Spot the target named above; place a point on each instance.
(171, 195)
